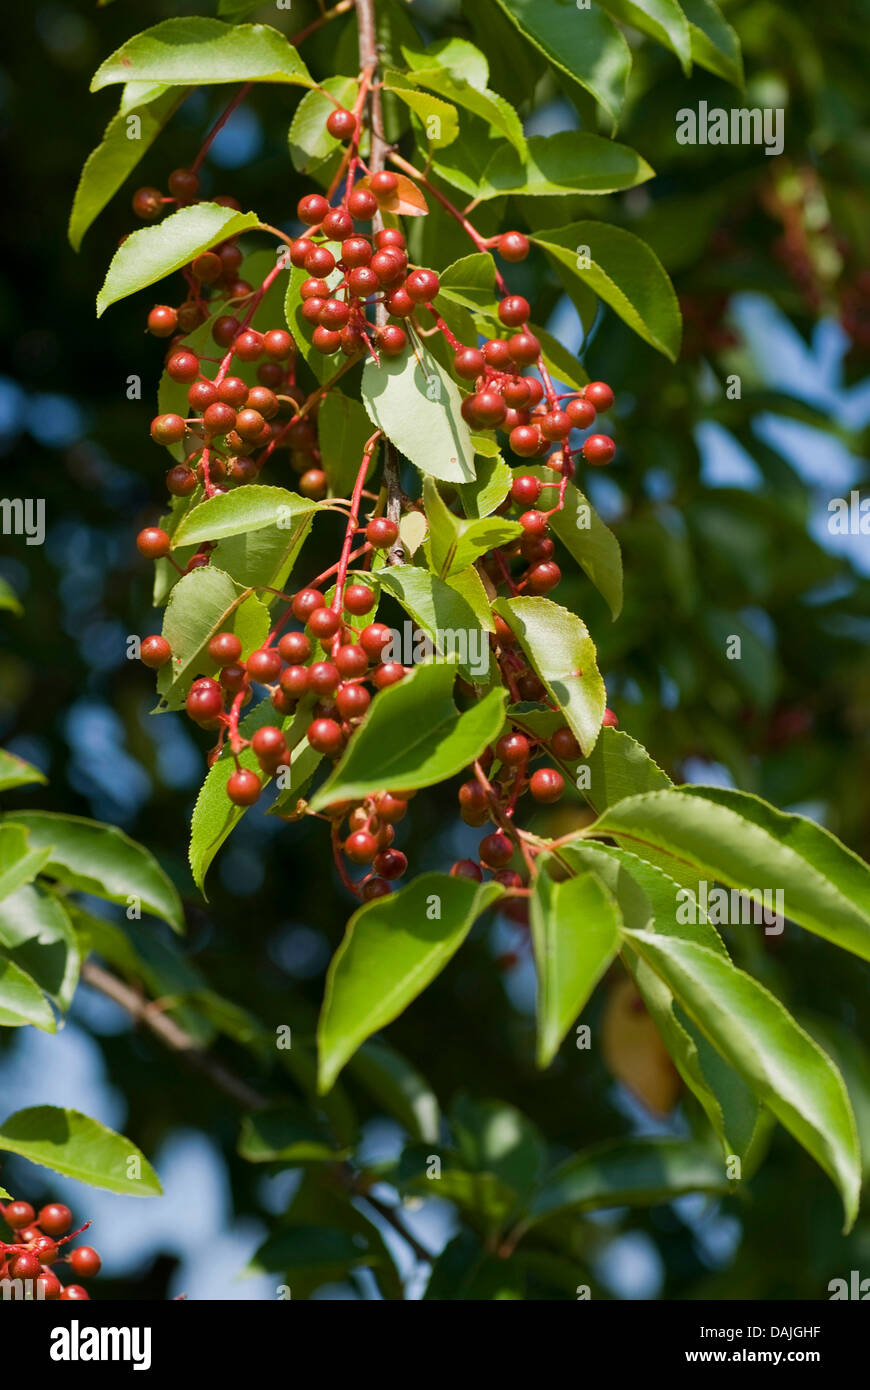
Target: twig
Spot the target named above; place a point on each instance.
(173, 1036)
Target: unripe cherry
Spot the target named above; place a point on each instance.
(183, 184)
(232, 391)
(225, 329)
(391, 809)
(218, 418)
(399, 303)
(278, 344)
(183, 366)
(534, 523)
(326, 340)
(320, 261)
(208, 268)
(524, 348)
(363, 281)
(517, 393)
(25, 1266)
(375, 887)
(487, 407)
(384, 183)
(148, 203)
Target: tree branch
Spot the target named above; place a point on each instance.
(173, 1036)
(368, 61)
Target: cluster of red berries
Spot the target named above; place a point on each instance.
(36, 1250)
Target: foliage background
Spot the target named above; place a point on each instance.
(720, 507)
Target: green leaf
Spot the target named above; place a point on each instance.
(628, 1173)
(454, 543)
(15, 772)
(37, 935)
(486, 105)
(575, 932)
(9, 599)
(310, 142)
(286, 1134)
(304, 762)
(19, 861)
(570, 161)
(214, 815)
(318, 1254)
(245, 509)
(203, 603)
(585, 44)
(21, 999)
(393, 948)
(759, 1038)
(583, 533)
(155, 252)
(470, 281)
(446, 611)
(399, 1088)
(413, 737)
(343, 430)
(79, 1147)
(196, 51)
(647, 899)
(489, 489)
(102, 860)
(618, 767)
(116, 157)
(418, 407)
(495, 1138)
(737, 838)
(622, 271)
(662, 20)
(436, 115)
(464, 61)
(715, 45)
(562, 653)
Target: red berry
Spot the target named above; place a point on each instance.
(392, 340)
(55, 1219)
(181, 480)
(362, 204)
(390, 673)
(325, 736)
(358, 599)
(513, 246)
(496, 850)
(390, 863)
(324, 623)
(232, 391)
(183, 366)
(154, 652)
(399, 303)
(565, 745)
(512, 749)
(391, 809)
(25, 1266)
(384, 183)
(183, 184)
(243, 789)
(74, 1293)
(543, 577)
(356, 251)
(361, 847)
(469, 363)
(219, 418)
(269, 744)
(225, 648)
(305, 603)
(598, 449)
(382, 532)
(363, 281)
(225, 329)
(278, 344)
(18, 1215)
(525, 490)
(148, 203)
(352, 701)
(85, 1260)
(487, 407)
(498, 354)
(341, 123)
(248, 346)
(375, 888)
(525, 441)
(48, 1285)
(581, 413)
(294, 647)
(202, 394)
(162, 321)
(422, 286)
(294, 681)
(351, 661)
(374, 638)
(320, 261)
(546, 784)
(312, 209)
(323, 677)
(533, 523)
(517, 393)
(208, 268)
(326, 340)
(556, 425)
(167, 429)
(524, 348)
(153, 543)
(337, 224)
(466, 868)
(610, 720)
(388, 266)
(600, 394)
(44, 1248)
(514, 311)
(205, 701)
